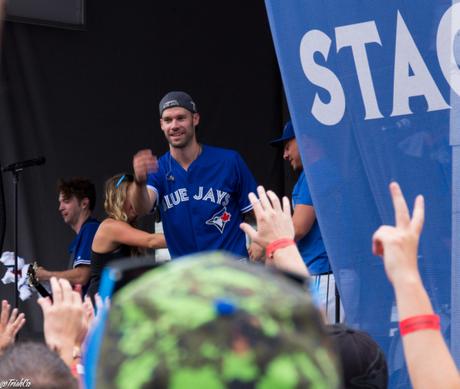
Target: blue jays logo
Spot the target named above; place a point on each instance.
(220, 219)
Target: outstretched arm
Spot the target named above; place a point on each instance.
(143, 200)
(112, 233)
(427, 356)
(274, 222)
(78, 275)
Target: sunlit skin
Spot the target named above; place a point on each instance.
(292, 155)
(178, 125)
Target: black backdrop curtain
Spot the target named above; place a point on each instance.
(87, 101)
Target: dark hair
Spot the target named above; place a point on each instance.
(80, 187)
(363, 362)
(37, 363)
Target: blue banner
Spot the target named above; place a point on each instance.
(372, 88)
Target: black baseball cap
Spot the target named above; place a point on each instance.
(177, 99)
(288, 133)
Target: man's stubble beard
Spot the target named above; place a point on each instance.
(186, 142)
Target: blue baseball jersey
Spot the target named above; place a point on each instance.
(311, 246)
(80, 248)
(203, 206)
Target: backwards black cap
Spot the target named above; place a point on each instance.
(177, 99)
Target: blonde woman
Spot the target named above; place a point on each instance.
(116, 237)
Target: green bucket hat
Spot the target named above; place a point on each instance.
(210, 321)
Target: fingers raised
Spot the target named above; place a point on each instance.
(286, 206)
(13, 316)
(402, 217)
(418, 215)
(57, 290)
(264, 201)
(17, 324)
(256, 206)
(275, 202)
(5, 312)
(67, 292)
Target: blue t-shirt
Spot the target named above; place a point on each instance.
(80, 248)
(311, 246)
(203, 206)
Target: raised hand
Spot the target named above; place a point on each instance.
(64, 320)
(10, 324)
(273, 220)
(398, 244)
(144, 162)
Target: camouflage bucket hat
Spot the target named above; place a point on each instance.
(209, 321)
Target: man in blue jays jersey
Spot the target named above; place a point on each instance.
(201, 191)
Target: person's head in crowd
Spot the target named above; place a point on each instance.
(77, 199)
(363, 361)
(291, 151)
(117, 203)
(37, 363)
(214, 322)
(179, 118)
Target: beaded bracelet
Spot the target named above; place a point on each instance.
(278, 244)
(420, 322)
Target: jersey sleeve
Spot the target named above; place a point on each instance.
(301, 193)
(83, 251)
(247, 184)
(154, 182)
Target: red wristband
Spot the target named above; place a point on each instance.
(278, 244)
(420, 322)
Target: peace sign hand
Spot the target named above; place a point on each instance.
(398, 244)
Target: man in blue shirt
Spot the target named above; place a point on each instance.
(77, 198)
(201, 191)
(307, 232)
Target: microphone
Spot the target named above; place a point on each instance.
(17, 166)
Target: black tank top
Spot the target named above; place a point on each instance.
(99, 261)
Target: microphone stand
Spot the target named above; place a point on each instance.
(16, 185)
(15, 170)
(15, 173)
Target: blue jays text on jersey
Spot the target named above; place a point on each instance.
(214, 195)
